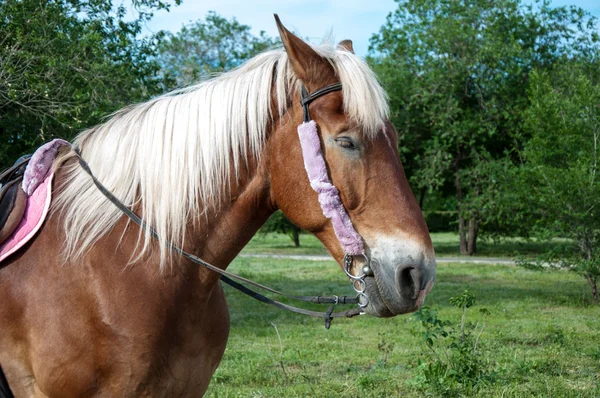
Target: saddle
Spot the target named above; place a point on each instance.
(13, 200)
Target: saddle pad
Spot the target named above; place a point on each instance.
(36, 211)
(37, 184)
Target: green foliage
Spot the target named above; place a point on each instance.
(434, 327)
(66, 64)
(385, 346)
(208, 46)
(457, 74)
(279, 223)
(464, 300)
(452, 365)
(559, 174)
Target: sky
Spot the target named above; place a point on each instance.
(356, 20)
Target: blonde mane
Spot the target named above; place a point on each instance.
(173, 157)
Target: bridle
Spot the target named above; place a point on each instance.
(323, 186)
(329, 196)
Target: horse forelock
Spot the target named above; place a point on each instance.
(172, 158)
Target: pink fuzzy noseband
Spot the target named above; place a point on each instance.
(329, 196)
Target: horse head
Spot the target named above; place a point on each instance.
(360, 148)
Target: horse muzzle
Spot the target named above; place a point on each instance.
(393, 289)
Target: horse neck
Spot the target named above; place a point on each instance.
(249, 206)
(220, 240)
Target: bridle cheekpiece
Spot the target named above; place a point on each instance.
(329, 195)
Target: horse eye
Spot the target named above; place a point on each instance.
(345, 142)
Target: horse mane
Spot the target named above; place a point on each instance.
(172, 158)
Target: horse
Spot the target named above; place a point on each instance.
(97, 305)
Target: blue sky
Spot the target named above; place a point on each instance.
(356, 20)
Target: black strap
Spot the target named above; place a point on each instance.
(4, 388)
(327, 316)
(306, 98)
(225, 275)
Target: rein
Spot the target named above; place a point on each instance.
(358, 282)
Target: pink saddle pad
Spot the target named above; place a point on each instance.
(37, 184)
(35, 214)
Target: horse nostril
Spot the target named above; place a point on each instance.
(409, 282)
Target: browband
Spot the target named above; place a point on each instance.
(306, 98)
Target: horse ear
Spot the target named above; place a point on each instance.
(302, 57)
(346, 45)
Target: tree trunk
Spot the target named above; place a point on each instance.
(422, 197)
(594, 285)
(296, 236)
(459, 197)
(472, 237)
(462, 231)
(586, 246)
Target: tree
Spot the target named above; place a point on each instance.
(560, 174)
(65, 64)
(205, 47)
(280, 224)
(457, 72)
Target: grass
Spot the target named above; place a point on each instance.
(541, 338)
(445, 243)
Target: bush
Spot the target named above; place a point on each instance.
(451, 363)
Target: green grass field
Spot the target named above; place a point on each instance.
(541, 337)
(445, 243)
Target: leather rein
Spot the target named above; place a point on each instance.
(228, 277)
